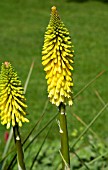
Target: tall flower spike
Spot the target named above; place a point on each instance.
(12, 100)
(57, 56)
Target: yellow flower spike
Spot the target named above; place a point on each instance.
(57, 59)
(12, 100)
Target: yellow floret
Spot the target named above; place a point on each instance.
(12, 100)
(57, 59)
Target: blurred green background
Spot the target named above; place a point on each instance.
(22, 27)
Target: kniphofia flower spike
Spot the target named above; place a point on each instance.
(57, 56)
(12, 100)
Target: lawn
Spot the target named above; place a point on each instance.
(22, 27)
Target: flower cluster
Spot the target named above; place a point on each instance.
(57, 56)
(12, 100)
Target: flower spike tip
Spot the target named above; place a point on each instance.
(57, 59)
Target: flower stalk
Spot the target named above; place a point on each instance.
(12, 106)
(20, 155)
(64, 138)
(57, 59)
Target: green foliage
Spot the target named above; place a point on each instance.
(22, 25)
(48, 157)
(93, 152)
(85, 0)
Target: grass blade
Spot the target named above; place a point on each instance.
(47, 124)
(37, 123)
(100, 98)
(12, 163)
(99, 157)
(84, 124)
(37, 154)
(89, 83)
(28, 77)
(81, 161)
(90, 124)
(6, 148)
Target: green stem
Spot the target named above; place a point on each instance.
(64, 138)
(20, 155)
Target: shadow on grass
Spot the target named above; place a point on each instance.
(77, 0)
(105, 1)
